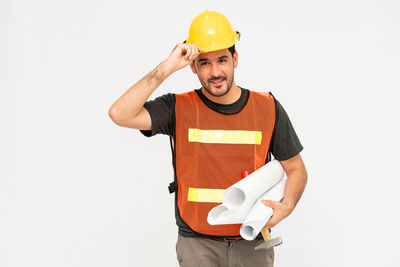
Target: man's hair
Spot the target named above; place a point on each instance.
(232, 49)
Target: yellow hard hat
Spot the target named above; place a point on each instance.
(212, 31)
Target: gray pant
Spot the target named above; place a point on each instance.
(204, 252)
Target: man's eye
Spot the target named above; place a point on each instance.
(203, 63)
(222, 60)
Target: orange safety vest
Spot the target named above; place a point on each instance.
(212, 149)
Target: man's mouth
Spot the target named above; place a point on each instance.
(217, 81)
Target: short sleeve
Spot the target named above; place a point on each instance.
(285, 143)
(161, 114)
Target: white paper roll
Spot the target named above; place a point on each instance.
(222, 215)
(260, 213)
(254, 185)
(239, 199)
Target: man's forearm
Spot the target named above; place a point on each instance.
(130, 103)
(296, 182)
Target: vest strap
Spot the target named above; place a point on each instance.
(172, 187)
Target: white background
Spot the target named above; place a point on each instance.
(77, 190)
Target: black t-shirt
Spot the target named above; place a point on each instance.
(284, 143)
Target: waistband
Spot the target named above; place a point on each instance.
(217, 238)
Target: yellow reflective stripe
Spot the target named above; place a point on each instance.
(205, 195)
(225, 136)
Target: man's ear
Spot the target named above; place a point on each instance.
(235, 59)
(193, 67)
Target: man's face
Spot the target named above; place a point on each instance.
(215, 71)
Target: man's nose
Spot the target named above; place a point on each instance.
(215, 71)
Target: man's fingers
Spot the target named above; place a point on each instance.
(196, 51)
(183, 54)
(271, 223)
(192, 51)
(186, 51)
(269, 203)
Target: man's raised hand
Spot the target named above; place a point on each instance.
(182, 56)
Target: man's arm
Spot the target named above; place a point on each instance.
(296, 182)
(128, 110)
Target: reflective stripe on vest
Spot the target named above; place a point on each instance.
(212, 150)
(224, 136)
(205, 195)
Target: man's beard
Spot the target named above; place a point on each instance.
(207, 86)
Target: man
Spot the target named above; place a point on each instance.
(216, 132)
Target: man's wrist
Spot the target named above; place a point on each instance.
(167, 67)
(159, 74)
(291, 204)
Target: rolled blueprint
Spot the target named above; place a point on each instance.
(238, 200)
(222, 215)
(260, 213)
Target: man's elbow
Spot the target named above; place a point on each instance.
(295, 167)
(302, 172)
(115, 115)
(305, 175)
